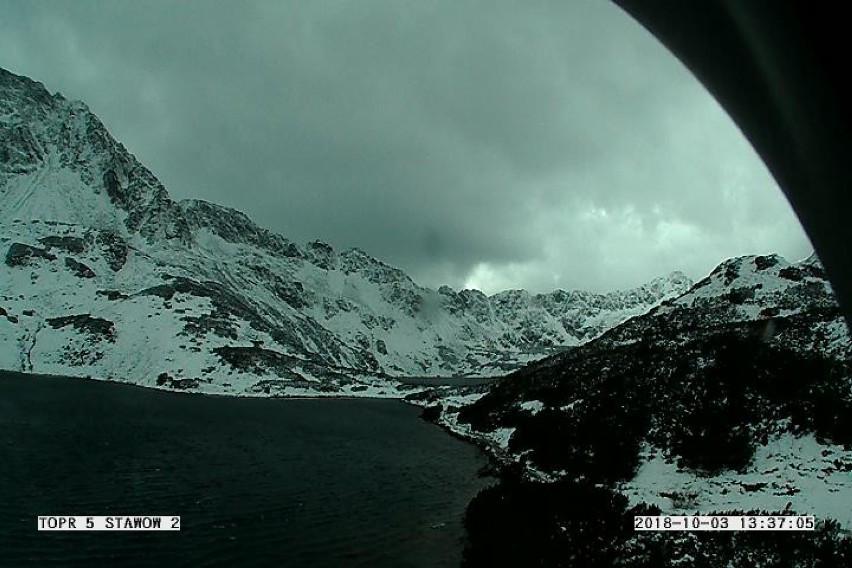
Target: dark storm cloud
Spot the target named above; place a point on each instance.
(502, 144)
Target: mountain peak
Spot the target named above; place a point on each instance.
(60, 163)
(17, 91)
(201, 293)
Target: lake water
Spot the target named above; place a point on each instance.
(257, 482)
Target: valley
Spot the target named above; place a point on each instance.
(732, 393)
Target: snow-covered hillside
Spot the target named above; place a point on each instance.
(106, 275)
(734, 396)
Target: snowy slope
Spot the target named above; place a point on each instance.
(106, 275)
(789, 305)
(812, 477)
(736, 395)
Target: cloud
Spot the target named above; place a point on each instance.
(540, 144)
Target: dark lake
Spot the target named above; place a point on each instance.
(257, 482)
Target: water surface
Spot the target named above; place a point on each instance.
(257, 482)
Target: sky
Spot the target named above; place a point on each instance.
(483, 144)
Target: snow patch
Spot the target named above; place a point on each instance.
(532, 406)
(813, 478)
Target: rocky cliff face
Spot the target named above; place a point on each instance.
(106, 275)
(58, 159)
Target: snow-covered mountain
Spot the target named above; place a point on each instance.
(734, 396)
(106, 275)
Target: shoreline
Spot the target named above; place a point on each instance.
(394, 393)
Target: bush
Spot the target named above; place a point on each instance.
(536, 524)
(431, 413)
(598, 441)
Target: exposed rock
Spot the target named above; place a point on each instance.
(321, 254)
(164, 379)
(20, 254)
(73, 245)
(114, 249)
(112, 295)
(20, 152)
(78, 268)
(235, 227)
(86, 323)
(258, 360)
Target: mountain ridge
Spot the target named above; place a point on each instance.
(136, 286)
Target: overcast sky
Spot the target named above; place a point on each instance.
(490, 144)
